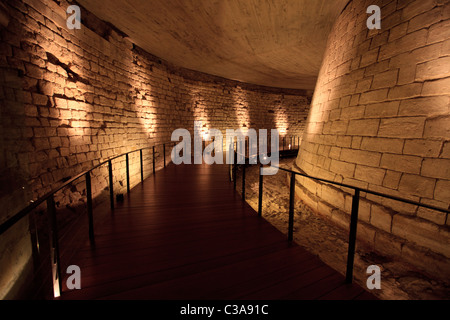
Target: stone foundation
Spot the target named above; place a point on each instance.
(379, 120)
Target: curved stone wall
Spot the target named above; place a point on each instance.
(380, 120)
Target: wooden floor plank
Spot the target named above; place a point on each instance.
(186, 234)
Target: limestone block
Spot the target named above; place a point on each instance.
(422, 232)
(392, 179)
(368, 158)
(438, 127)
(439, 32)
(436, 168)
(401, 163)
(342, 168)
(402, 127)
(384, 109)
(434, 216)
(364, 127)
(405, 91)
(388, 244)
(385, 79)
(369, 174)
(442, 191)
(428, 106)
(434, 69)
(416, 8)
(417, 185)
(406, 43)
(41, 144)
(398, 31)
(364, 209)
(436, 87)
(391, 145)
(369, 57)
(355, 112)
(333, 196)
(373, 96)
(381, 218)
(423, 147)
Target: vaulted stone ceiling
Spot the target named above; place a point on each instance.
(278, 43)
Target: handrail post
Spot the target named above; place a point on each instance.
(352, 237)
(231, 164)
(243, 172)
(291, 208)
(142, 165)
(111, 185)
(153, 159)
(235, 167)
(247, 147)
(164, 153)
(260, 197)
(54, 247)
(89, 205)
(243, 181)
(127, 162)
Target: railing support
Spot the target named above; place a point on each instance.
(111, 185)
(89, 206)
(260, 197)
(291, 208)
(142, 165)
(153, 159)
(164, 153)
(243, 181)
(54, 247)
(229, 160)
(127, 162)
(352, 237)
(235, 167)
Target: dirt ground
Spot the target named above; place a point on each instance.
(399, 281)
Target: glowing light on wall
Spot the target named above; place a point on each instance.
(315, 116)
(281, 120)
(144, 101)
(199, 108)
(241, 107)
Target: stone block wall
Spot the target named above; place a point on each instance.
(379, 120)
(73, 98)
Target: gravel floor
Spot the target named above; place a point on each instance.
(329, 242)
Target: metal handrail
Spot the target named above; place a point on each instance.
(35, 203)
(51, 207)
(354, 209)
(366, 190)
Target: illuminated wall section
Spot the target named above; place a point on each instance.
(380, 120)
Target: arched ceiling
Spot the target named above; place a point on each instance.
(277, 43)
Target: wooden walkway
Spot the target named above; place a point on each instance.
(186, 234)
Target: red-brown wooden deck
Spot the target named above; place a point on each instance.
(186, 234)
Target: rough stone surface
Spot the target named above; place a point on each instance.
(316, 231)
(395, 96)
